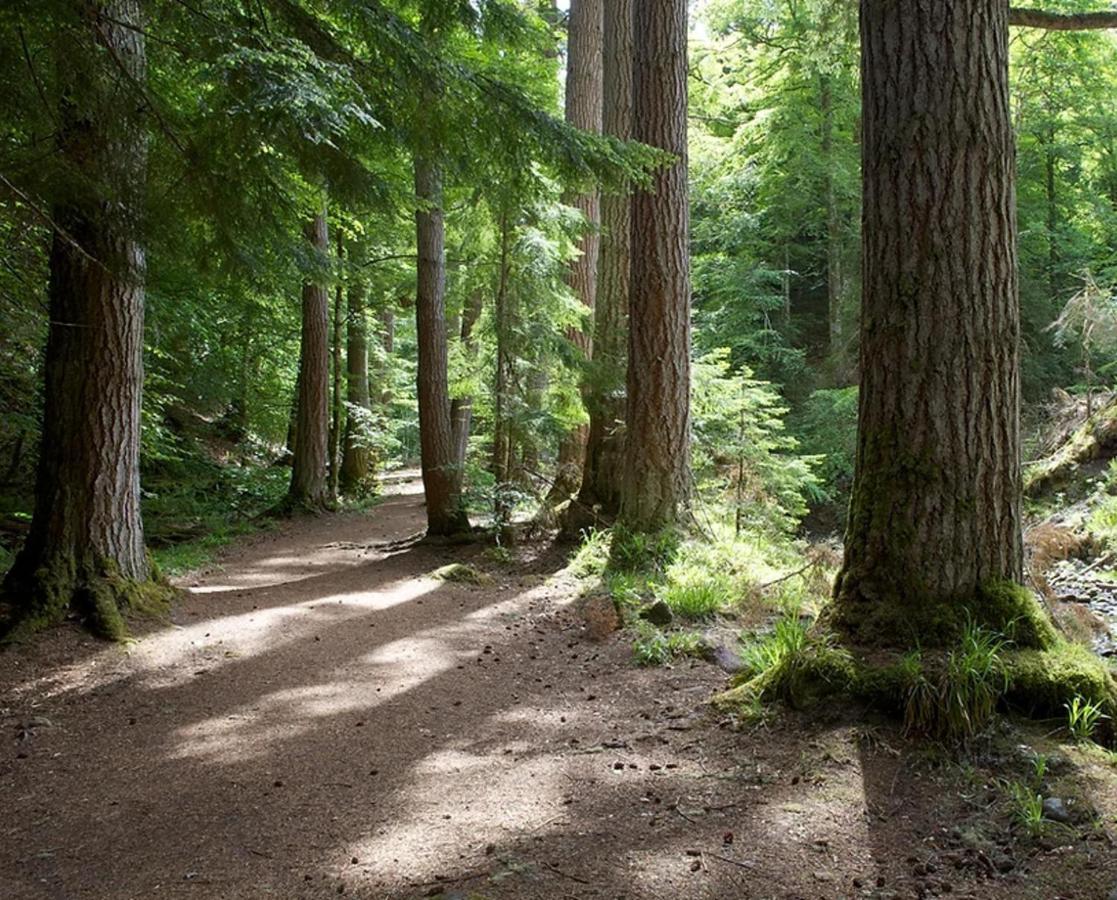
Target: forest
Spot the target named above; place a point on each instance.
(559, 449)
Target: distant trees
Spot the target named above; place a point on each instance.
(85, 549)
(655, 490)
(355, 457)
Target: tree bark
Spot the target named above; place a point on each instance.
(1038, 18)
(441, 475)
(85, 547)
(584, 98)
(461, 408)
(502, 430)
(656, 487)
(600, 494)
(309, 477)
(355, 462)
(337, 410)
(935, 509)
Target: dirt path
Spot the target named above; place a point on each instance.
(324, 718)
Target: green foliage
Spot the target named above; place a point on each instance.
(826, 426)
(653, 647)
(1026, 806)
(743, 457)
(1044, 682)
(1083, 717)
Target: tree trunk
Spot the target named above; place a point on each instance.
(656, 487)
(599, 497)
(337, 411)
(935, 510)
(355, 462)
(309, 483)
(833, 223)
(85, 547)
(502, 431)
(441, 476)
(461, 409)
(584, 98)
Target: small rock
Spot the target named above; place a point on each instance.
(1055, 810)
(658, 613)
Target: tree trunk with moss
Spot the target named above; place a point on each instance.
(309, 475)
(355, 461)
(656, 485)
(935, 508)
(584, 97)
(85, 549)
(600, 493)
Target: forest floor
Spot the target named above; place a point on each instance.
(326, 716)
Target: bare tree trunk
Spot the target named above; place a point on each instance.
(502, 431)
(834, 288)
(935, 510)
(85, 548)
(656, 487)
(584, 98)
(461, 408)
(599, 496)
(441, 476)
(355, 462)
(337, 411)
(309, 484)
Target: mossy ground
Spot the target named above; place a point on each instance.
(92, 587)
(949, 691)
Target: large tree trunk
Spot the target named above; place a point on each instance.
(935, 510)
(441, 475)
(656, 486)
(584, 97)
(85, 548)
(599, 497)
(355, 462)
(309, 476)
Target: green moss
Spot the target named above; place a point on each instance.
(91, 586)
(460, 573)
(998, 606)
(1042, 682)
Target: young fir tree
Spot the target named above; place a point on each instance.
(656, 485)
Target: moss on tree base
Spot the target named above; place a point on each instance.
(948, 692)
(999, 606)
(92, 587)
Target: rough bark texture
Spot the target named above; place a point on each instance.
(935, 510)
(337, 409)
(355, 462)
(461, 408)
(309, 481)
(441, 475)
(584, 98)
(599, 497)
(85, 548)
(656, 487)
(1038, 18)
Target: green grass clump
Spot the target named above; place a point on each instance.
(697, 595)
(635, 551)
(1026, 806)
(1083, 718)
(653, 647)
(592, 556)
(178, 559)
(1103, 520)
(791, 664)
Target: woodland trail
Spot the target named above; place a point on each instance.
(325, 718)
